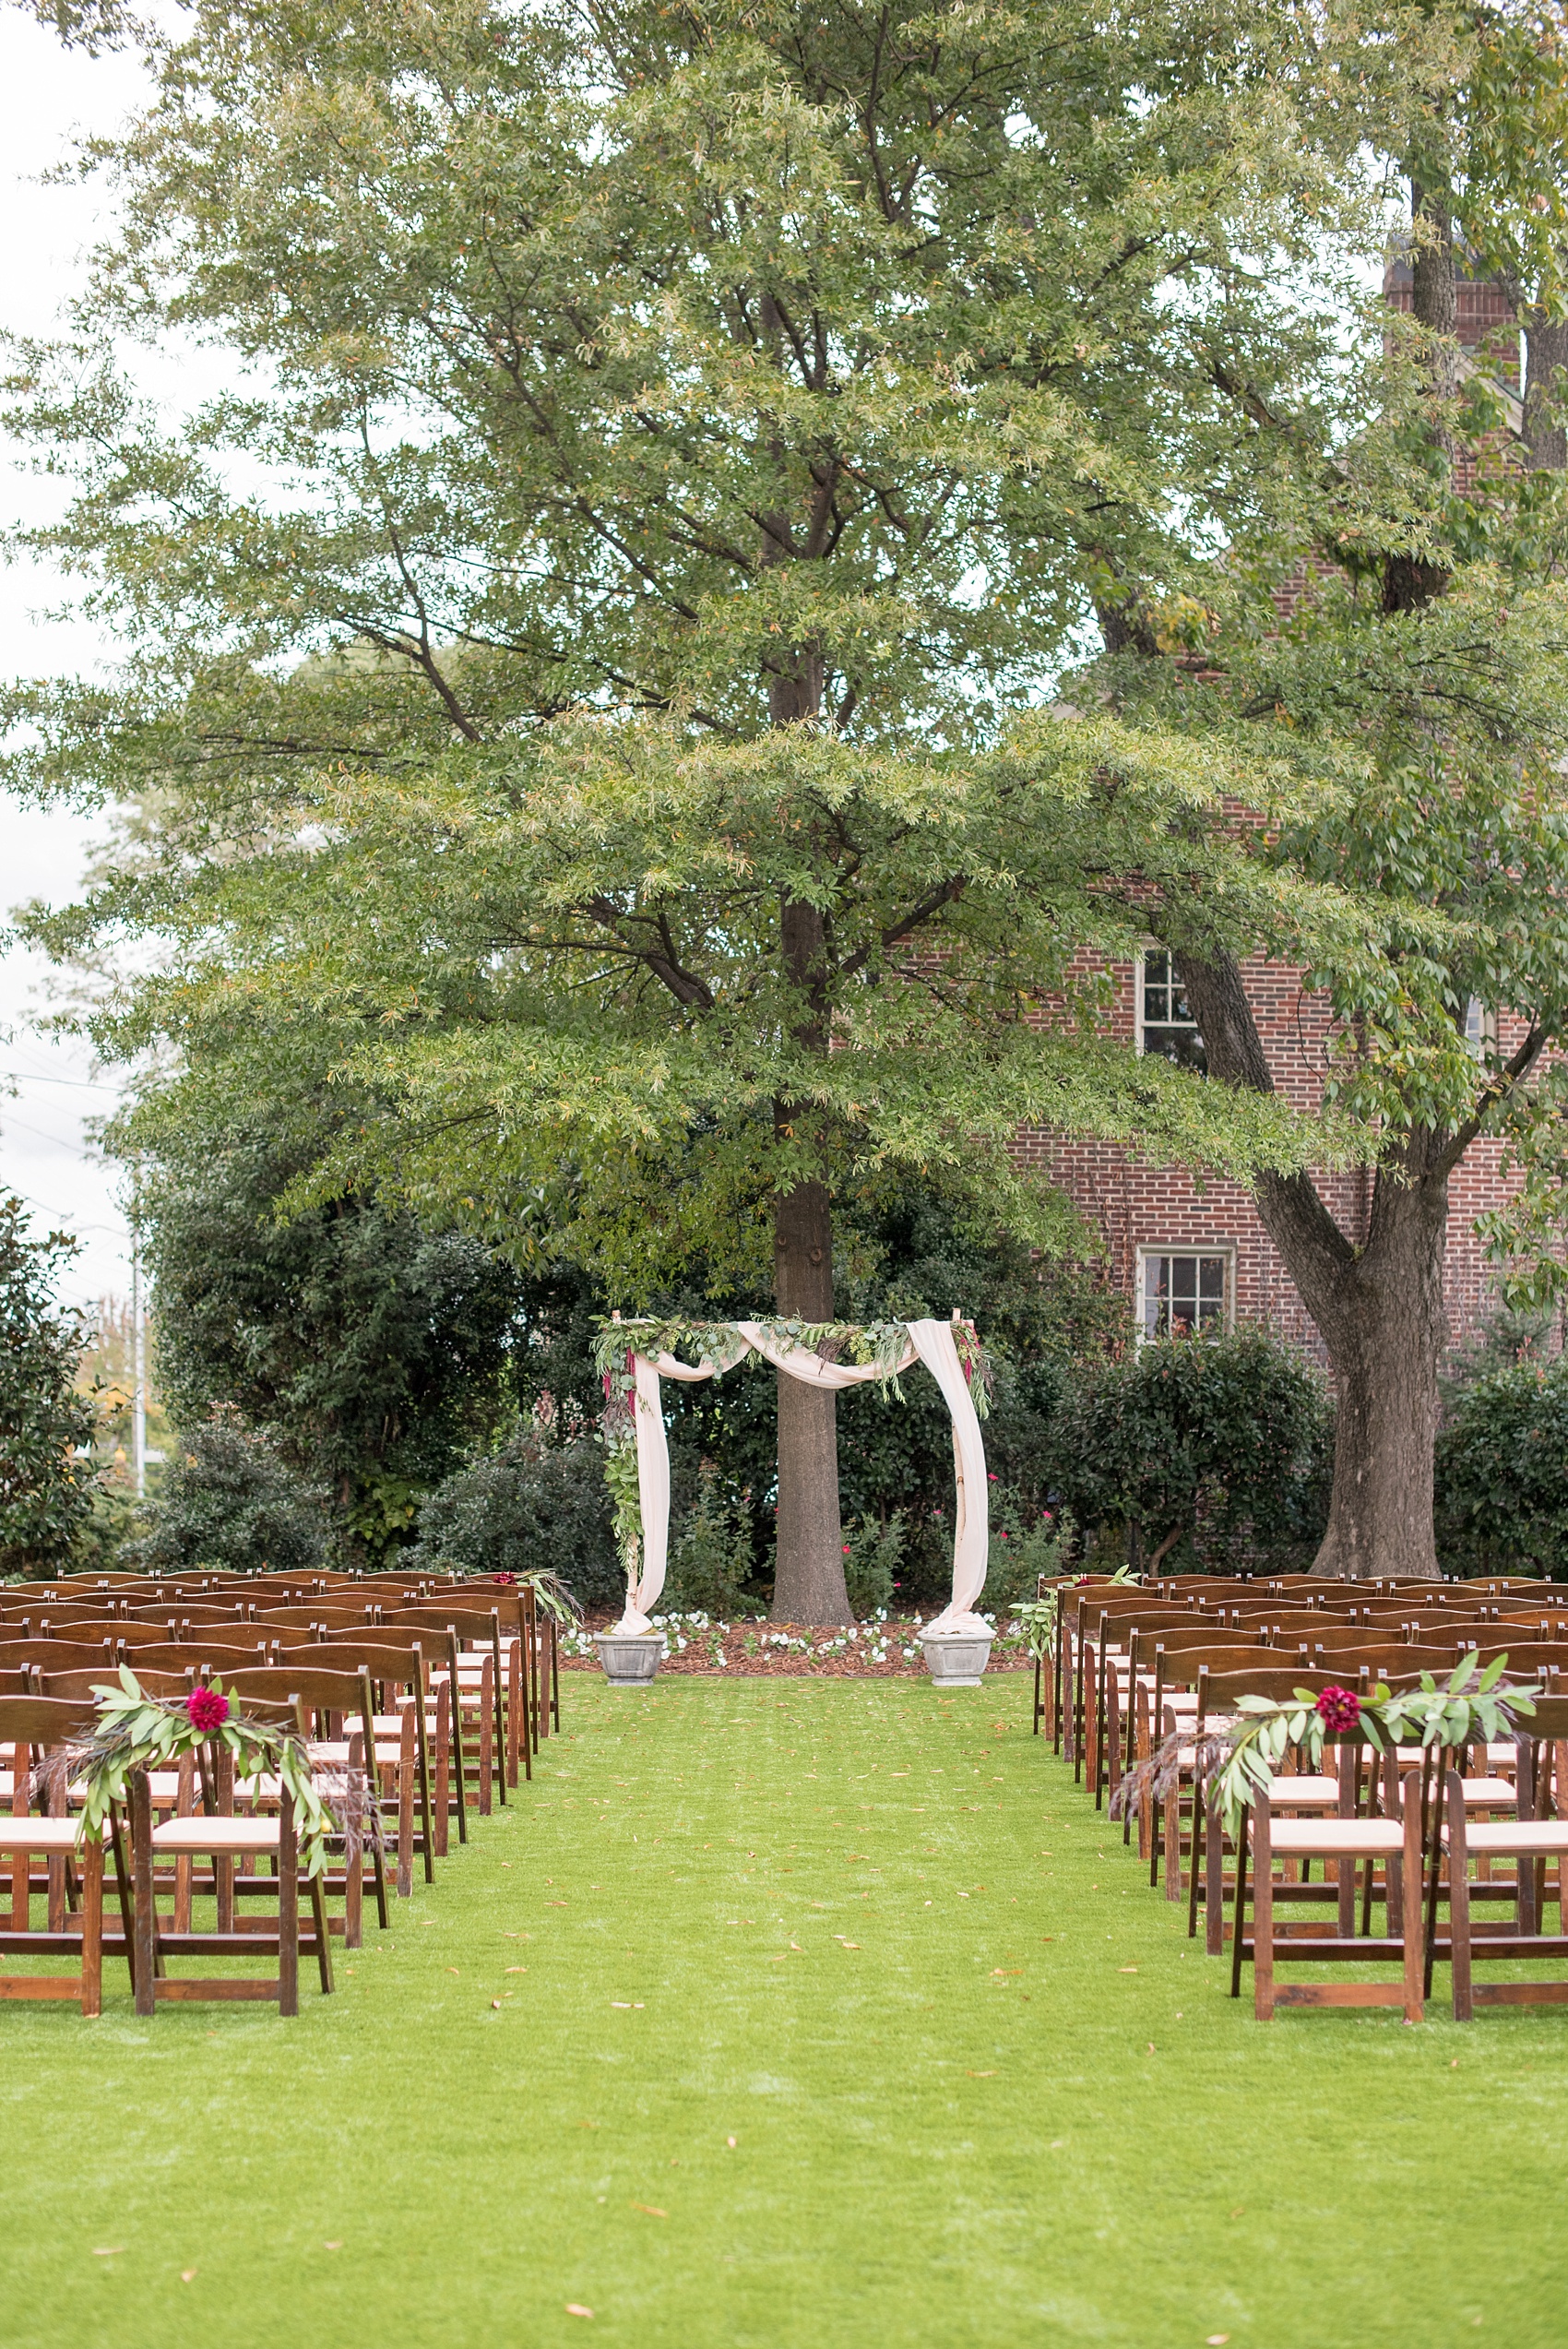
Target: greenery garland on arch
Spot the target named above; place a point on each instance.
(137, 1731)
(879, 1344)
(1238, 1761)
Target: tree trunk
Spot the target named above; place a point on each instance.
(808, 1582)
(1546, 350)
(808, 1574)
(1377, 1304)
(1408, 580)
(1386, 1330)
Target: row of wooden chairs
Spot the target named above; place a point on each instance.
(438, 1703)
(1133, 1667)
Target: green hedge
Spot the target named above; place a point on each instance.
(1502, 1474)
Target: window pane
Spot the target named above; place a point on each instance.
(1183, 1293)
(1157, 987)
(1155, 1272)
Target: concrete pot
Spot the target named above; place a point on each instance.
(630, 1658)
(957, 1658)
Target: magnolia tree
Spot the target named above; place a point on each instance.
(583, 683)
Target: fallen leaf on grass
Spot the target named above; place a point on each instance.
(516, 1969)
(451, 1969)
(980, 2075)
(1133, 1969)
(575, 2308)
(187, 2275)
(650, 2210)
(109, 2251)
(496, 2005)
(332, 2247)
(731, 2142)
(1214, 2340)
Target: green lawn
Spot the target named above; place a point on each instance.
(842, 2020)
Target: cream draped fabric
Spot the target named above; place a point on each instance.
(931, 1343)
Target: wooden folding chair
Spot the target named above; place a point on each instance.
(1396, 1840)
(74, 1883)
(1535, 1839)
(223, 1837)
(335, 1698)
(396, 1661)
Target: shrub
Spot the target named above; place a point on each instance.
(710, 1556)
(871, 1559)
(539, 1503)
(1216, 1450)
(229, 1501)
(46, 1488)
(1502, 1474)
(1025, 1544)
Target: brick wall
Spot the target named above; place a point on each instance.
(1132, 1206)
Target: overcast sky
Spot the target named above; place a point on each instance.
(52, 1089)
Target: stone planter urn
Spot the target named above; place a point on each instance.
(630, 1658)
(957, 1659)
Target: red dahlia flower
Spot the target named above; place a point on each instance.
(1340, 1710)
(208, 1708)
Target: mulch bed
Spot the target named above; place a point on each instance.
(759, 1647)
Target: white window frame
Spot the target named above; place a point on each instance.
(1484, 1040)
(1138, 999)
(1147, 1248)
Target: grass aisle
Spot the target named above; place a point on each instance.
(841, 2020)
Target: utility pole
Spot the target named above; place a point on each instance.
(139, 1379)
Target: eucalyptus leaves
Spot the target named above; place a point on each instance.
(1238, 1761)
(139, 1732)
(882, 1345)
(1042, 1618)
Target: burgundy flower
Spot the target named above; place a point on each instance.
(1340, 1710)
(208, 1708)
(507, 1579)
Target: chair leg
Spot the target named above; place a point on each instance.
(185, 1867)
(1415, 1954)
(1214, 1880)
(92, 1927)
(323, 1936)
(1200, 1843)
(142, 1899)
(1240, 1911)
(1459, 1904)
(124, 1894)
(443, 1767)
(486, 1736)
(288, 1911)
(405, 1823)
(1263, 1914)
(423, 1732)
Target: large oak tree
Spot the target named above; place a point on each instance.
(582, 685)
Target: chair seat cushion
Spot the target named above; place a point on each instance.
(217, 1835)
(1502, 1836)
(1493, 1793)
(1357, 1838)
(1304, 1792)
(337, 1749)
(37, 1834)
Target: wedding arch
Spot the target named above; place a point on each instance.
(636, 1356)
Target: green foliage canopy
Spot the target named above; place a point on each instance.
(46, 1491)
(682, 448)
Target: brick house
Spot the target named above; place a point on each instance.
(1193, 1255)
(1190, 1255)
